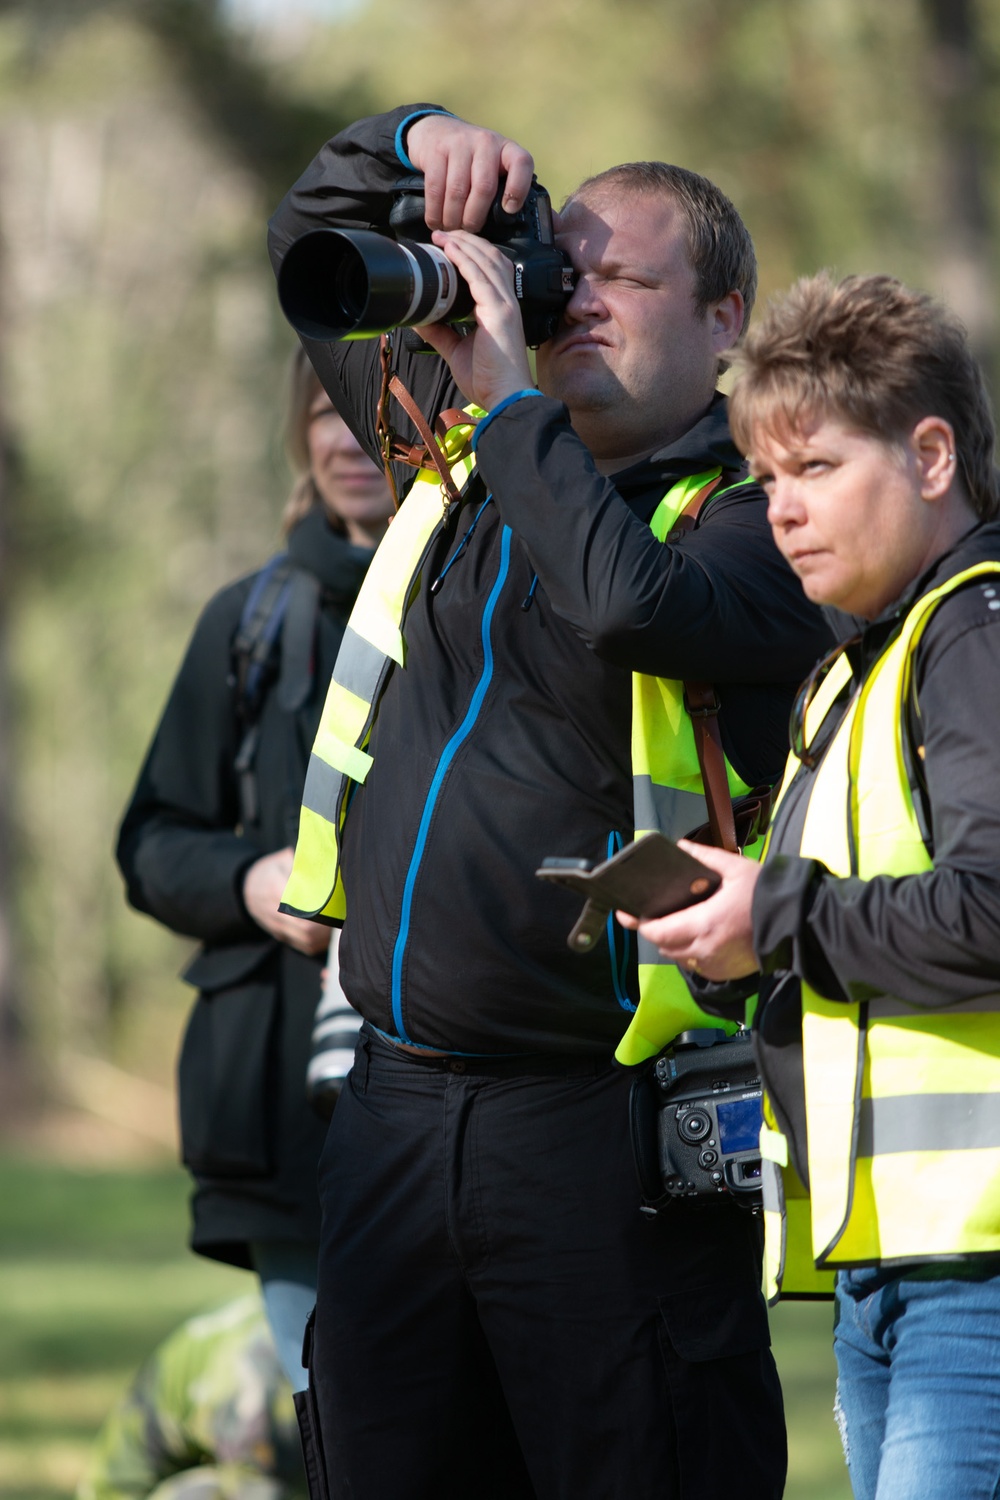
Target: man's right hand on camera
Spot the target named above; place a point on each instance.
(462, 165)
(263, 886)
(489, 362)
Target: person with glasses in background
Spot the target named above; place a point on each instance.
(206, 847)
(873, 924)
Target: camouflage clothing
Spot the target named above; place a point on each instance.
(209, 1416)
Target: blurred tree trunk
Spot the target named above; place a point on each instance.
(957, 85)
(14, 1077)
(273, 136)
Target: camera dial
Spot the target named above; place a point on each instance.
(694, 1125)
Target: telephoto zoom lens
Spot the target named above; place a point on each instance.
(339, 284)
(334, 1038)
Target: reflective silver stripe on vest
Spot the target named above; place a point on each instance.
(771, 1185)
(648, 953)
(928, 1122)
(665, 808)
(359, 666)
(895, 1009)
(322, 788)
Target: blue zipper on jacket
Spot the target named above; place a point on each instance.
(619, 973)
(447, 756)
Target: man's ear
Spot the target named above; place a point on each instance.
(932, 443)
(726, 321)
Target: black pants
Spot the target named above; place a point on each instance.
(495, 1317)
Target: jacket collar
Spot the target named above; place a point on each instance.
(340, 566)
(981, 544)
(704, 446)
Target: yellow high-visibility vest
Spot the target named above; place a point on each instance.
(373, 644)
(668, 798)
(667, 778)
(902, 1103)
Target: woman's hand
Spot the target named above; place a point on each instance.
(263, 886)
(491, 361)
(715, 937)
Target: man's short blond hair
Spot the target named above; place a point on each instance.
(872, 353)
(719, 245)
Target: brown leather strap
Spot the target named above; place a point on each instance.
(383, 427)
(453, 417)
(688, 517)
(434, 452)
(428, 453)
(703, 707)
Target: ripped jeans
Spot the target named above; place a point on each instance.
(918, 1389)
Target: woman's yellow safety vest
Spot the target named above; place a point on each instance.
(902, 1104)
(667, 778)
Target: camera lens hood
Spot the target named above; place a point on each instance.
(339, 284)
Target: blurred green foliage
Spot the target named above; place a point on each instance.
(143, 144)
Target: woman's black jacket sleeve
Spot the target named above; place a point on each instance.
(178, 847)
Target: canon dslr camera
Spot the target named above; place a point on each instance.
(356, 284)
(696, 1118)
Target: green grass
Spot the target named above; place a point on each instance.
(802, 1336)
(94, 1272)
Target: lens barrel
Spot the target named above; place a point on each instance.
(354, 284)
(334, 1037)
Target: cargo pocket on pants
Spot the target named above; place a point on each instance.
(715, 1344)
(309, 1428)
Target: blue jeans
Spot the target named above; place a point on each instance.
(918, 1388)
(287, 1273)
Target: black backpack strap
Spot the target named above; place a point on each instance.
(298, 641)
(255, 657)
(259, 628)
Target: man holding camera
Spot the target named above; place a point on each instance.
(495, 1317)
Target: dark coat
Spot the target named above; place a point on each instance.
(248, 1135)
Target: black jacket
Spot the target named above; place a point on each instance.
(931, 939)
(247, 1132)
(506, 738)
